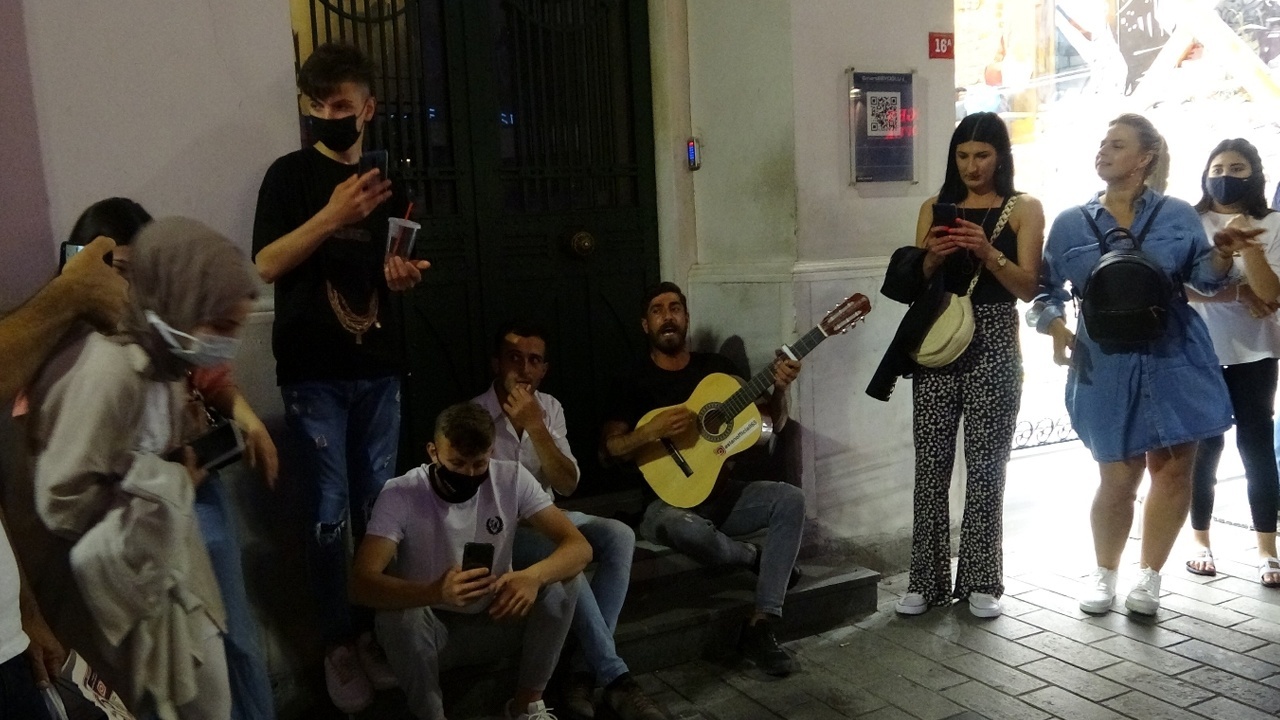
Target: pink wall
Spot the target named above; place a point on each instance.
(26, 237)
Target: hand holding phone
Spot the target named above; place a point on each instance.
(217, 448)
(477, 555)
(374, 160)
(945, 214)
(68, 251)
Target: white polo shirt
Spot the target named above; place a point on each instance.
(509, 446)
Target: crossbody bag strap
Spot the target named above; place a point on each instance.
(995, 233)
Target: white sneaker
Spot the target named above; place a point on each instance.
(911, 604)
(983, 605)
(1098, 599)
(536, 711)
(1144, 598)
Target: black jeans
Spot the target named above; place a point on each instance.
(19, 698)
(1252, 387)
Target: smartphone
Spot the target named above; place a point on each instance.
(69, 251)
(945, 214)
(477, 555)
(217, 448)
(374, 159)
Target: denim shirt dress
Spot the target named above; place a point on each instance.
(1123, 404)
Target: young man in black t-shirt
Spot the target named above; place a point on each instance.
(319, 236)
(667, 377)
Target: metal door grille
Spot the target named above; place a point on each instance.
(565, 123)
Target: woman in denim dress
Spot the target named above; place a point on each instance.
(1140, 410)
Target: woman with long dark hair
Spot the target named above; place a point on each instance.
(1246, 337)
(1144, 407)
(983, 385)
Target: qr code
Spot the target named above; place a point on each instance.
(884, 114)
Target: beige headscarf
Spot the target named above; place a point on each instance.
(188, 274)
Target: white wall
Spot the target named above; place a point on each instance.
(178, 105)
(781, 235)
(857, 459)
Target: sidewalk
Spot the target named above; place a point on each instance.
(1212, 651)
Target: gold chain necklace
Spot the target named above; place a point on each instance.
(355, 323)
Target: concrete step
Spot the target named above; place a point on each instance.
(678, 610)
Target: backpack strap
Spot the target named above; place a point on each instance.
(1137, 241)
(1142, 235)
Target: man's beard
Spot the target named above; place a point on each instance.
(668, 344)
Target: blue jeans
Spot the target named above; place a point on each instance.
(777, 506)
(251, 697)
(19, 698)
(596, 618)
(347, 433)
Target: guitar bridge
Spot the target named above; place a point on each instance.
(677, 457)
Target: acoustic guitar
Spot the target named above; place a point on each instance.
(683, 469)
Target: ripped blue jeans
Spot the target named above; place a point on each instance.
(346, 433)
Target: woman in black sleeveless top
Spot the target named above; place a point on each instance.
(984, 385)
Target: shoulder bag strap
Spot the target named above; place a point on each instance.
(995, 233)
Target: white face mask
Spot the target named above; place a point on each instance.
(201, 349)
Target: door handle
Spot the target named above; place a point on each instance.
(582, 244)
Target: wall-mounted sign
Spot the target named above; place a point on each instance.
(882, 127)
(942, 45)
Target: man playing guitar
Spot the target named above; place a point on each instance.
(668, 377)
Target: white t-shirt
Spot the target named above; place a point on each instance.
(13, 640)
(430, 532)
(508, 446)
(1238, 337)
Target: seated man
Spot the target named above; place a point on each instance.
(665, 377)
(531, 430)
(424, 520)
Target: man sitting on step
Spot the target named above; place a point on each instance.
(531, 430)
(435, 522)
(666, 377)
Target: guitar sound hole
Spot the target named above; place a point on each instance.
(714, 423)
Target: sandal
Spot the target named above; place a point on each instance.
(1269, 566)
(1205, 558)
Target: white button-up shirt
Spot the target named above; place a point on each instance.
(507, 445)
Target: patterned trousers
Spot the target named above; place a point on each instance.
(984, 386)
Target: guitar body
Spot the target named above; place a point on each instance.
(703, 448)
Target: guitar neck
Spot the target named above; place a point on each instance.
(763, 380)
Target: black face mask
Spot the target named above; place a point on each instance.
(337, 135)
(454, 487)
(1228, 189)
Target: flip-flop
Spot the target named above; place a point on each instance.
(1269, 566)
(1204, 555)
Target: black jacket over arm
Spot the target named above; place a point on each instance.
(905, 282)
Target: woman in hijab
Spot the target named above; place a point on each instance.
(114, 480)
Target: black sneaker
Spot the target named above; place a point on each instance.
(577, 696)
(758, 644)
(628, 701)
(755, 567)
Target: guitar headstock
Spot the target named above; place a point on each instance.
(848, 313)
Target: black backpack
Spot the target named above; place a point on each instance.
(1126, 298)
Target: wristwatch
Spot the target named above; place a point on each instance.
(1001, 260)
